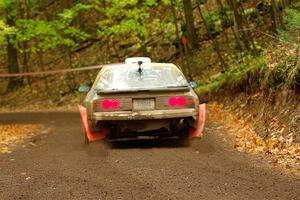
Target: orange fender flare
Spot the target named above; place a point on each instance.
(198, 131)
(85, 125)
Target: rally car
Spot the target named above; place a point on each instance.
(141, 98)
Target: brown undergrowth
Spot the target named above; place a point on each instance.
(277, 150)
(13, 134)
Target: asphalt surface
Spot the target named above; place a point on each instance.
(58, 165)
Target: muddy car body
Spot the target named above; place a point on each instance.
(141, 98)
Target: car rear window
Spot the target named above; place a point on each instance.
(119, 78)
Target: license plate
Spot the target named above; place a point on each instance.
(143, 104)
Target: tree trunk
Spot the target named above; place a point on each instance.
(70, 77)
(26, 58)
(25, 14)
(237, 20)
(223, 22)
(247, 32)
(240, 23)
(215, 43)
(13, 66)
(235, 34)
(12, 54)
(274, 16)
(42, 66)
(176, 27)
(189, 21)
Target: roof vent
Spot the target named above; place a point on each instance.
(137, 59)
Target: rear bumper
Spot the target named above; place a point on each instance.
(193, 132)
(144, 115)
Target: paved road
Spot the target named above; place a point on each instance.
(60, 166)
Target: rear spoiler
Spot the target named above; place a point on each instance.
(143, 90)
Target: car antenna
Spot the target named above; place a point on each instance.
(140, 67)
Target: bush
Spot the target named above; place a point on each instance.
(238, 76)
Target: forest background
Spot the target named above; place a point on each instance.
(244, 54)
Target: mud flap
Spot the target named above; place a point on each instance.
(85, 125)
(198, 131)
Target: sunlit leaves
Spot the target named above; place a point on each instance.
(125, 17)
(150, 3)
(5, 3)
(10, 8)
(136, 20)
(69, 14)
(5, 30)
(45, 34)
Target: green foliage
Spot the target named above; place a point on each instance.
(124, 17)
(44, 35)
(10, 8)
(69, 14)
(5, 30)
(133, 19)
(292, 18)
(202, 1)
(9, 12)
(244, 74)
(254, 72)
(239, 75)
(269, 2)
(211, 16)
(292, 24)
(285, 74)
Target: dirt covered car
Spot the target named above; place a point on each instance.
(141, 98)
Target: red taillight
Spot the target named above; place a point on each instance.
(177, 101)
(115, 104)
(110, 104)
(173, 101)
(181, 101)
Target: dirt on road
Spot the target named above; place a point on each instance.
(58, 165)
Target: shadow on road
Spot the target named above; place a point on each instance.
(148, 143)
(38, 117)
